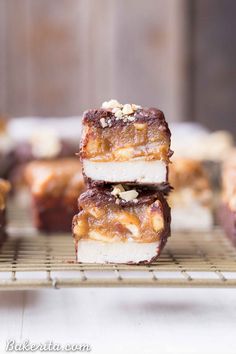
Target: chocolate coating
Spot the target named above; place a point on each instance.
(144, 115)
(103, 196)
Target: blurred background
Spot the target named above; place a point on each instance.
(59, 57)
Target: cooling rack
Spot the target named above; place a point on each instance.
(191, 259)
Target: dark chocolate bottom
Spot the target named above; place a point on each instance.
(53, 220)
(163, 187)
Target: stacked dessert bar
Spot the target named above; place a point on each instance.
(123, 216)
(4, 189)
(227, 210)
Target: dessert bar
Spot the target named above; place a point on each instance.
(191, 200)
(55, 186)
(125, 144)
(41, 139)
(121, 225)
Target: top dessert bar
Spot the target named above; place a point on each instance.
(125, 144)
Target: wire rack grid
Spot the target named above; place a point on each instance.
(191, 259)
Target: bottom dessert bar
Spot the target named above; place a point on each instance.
(55, 186)
(116, 225)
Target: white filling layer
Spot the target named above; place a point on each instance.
(90, 251)
(191, 217)
(139, 171)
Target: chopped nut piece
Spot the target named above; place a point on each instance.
(96, 212)
(129, 195)
(118, 189)
(133, 229)
(111, 104)
(157, 222)
(130, 221)
(103, 122)
(131, 119)
(140, 126)
(118, 114)
(127, 109)
(124, 153)
(135, 107)
(114, 110)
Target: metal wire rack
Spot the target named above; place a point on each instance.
(190, 259)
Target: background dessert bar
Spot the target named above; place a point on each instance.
(191, 199)
(55, 186)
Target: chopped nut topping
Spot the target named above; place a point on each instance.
(128, 195)
(131, 119)
(114, 110)
(127, 109)
(103, 123)
(111, 104)
(118, 113)
(121, 111)
(117, 190)
(135, 107)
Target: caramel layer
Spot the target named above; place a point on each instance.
(103, 219)
(122, 143)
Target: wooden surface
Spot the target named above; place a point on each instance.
(60, 57)
(213, 63)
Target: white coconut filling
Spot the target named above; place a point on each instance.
(136, 170)
(91, 251)
(191, 217)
